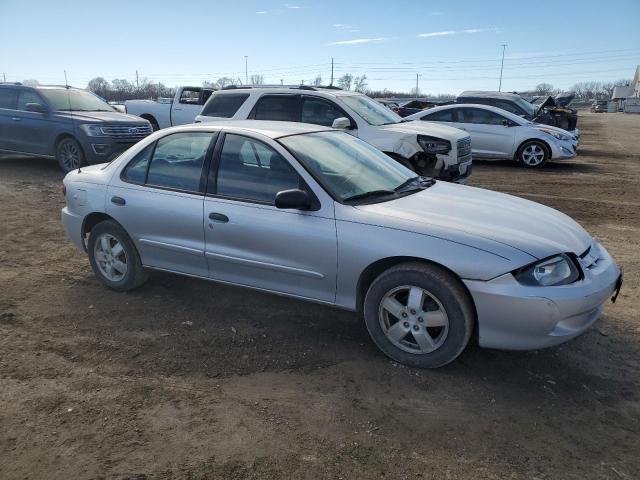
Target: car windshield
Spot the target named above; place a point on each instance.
(371, 111)
(76, 100)
(350, 169)
(526, 106)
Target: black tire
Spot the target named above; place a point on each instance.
(69, 154)
(533, 154)
(442, 286)
(154, 123)
(135, 274)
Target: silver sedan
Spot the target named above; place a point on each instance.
(314, 213)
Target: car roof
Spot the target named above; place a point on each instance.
(288, 90)
(455, 106)
(268, 128)
(487, 94)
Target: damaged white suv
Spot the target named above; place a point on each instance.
(432, 150)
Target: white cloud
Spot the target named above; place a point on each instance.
(480, 30)
(291, 6)
(435, 14)
(437, 34)
(261, 13)
(358, 41)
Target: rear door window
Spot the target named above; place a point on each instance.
(224, 105)
(8, 98)
(477, 115)
(277, 107)
(441, 116)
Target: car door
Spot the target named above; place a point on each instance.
(320, 111)
(32, 132)
(187, 106)
(251, 242)
(158, 199)
(8, 97)
(490, 137)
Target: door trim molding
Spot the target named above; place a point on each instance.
(171, 246)
(268, 266)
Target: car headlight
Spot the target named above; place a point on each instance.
(434, 145)
(556, 270)
(555, 134)
(93, 130)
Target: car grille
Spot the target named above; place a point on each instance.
(127, 132)
(464, 147)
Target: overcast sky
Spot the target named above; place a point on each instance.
(452, 45)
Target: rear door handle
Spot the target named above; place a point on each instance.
(15, 119)
(218, 217)
(118, 200)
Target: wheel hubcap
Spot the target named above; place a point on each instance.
(533, 155)
(413, 319)
(110, 257)
(70, 155)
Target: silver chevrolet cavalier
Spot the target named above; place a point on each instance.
(316, 214)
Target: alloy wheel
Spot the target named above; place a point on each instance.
(533, 155)
(110, 257)
(413, 319)
(70, 155)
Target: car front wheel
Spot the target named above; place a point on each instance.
(419, 315)
(69, 154)
(533, 154)
(114, 258)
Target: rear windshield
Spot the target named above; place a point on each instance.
(225, 105)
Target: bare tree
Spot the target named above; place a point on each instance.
(256, 79)
(545, 89)
(316, 81)
(360, 84)
(344, 81)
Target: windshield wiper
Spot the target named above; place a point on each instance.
(370, 194)
(414, 183)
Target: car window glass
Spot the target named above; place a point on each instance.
(319, 112)
(440, 116)
(476, 115)
(277, 107)
(177, 160)
(251, 170)
(136, 170)
(26, 96)
(509, 107)
(190, 97)
(7, 98)
(224, 105)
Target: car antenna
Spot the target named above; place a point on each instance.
(73, 123)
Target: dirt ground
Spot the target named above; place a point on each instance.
(188, 379)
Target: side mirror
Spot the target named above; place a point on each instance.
(505, 123)
(343, 123)
(35, 107)
(295, 199)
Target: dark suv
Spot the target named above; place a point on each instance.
(74, 126)
(550, 111)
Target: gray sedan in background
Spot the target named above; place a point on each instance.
(314, 213)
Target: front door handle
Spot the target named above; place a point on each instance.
(118, 200)
(218, 217)
(15, 119)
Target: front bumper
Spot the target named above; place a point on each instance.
(458, 172)
(512, 316)
(562, 150)
(103, 149)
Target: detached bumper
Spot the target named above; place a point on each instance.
(512, 316)
(459, 172)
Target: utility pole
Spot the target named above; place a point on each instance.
(66, 82)
(331, 72)
(417, 88)
(137, 80)
(504, 46)
(4, 77)
(282, 81)
(246, 70)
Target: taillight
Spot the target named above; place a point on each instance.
(63, 190)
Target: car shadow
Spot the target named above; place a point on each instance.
(574, 166)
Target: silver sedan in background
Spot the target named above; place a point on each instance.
(498, 134)
(314, 213)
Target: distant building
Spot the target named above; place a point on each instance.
(635, 84)
(627, 97)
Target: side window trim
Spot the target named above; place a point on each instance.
(203, 174)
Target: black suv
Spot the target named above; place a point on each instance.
(71, 125)
(550, 111)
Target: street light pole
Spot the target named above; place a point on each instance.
(417, 87)
(246, 71)
(504, 46)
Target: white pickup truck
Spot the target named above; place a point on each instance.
(167, 112)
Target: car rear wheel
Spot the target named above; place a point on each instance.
(69, 154)
(114, 258)
(419, 315)
(533, 154)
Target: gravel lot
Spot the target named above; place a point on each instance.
(189, 379)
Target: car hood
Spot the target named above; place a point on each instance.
(470, 213)
(424, 128)
(107, 117)
(541, 126)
